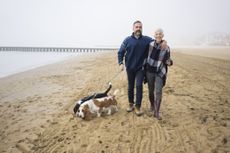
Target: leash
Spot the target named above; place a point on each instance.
(109, 81)
(113, 77)
(95, 94)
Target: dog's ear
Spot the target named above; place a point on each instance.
(87, 113)
(86, 106)
(74, 110)
(76, 107)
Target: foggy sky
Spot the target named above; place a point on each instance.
(105, 23)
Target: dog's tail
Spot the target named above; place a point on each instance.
(110, 86)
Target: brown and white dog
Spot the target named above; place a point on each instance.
(96, 106)
(93, 96)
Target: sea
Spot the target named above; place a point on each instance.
(12, 62)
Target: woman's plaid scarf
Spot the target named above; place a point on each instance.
(156, 59)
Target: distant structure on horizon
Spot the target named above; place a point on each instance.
(214, 39)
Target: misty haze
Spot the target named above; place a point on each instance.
(73, 23)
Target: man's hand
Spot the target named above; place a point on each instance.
(164, 45)
(121, 67)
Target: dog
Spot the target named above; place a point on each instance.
(97, 106)
(95, 95)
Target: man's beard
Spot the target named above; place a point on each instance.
(138, 33)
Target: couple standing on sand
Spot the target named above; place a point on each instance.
(145, 59)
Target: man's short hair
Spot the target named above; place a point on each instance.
(136, 22)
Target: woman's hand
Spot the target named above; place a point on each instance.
(169, 62)
(164, 45)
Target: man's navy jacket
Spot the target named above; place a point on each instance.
(135, 51)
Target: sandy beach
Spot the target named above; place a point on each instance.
(36, 108)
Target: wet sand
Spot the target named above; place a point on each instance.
(36, 109)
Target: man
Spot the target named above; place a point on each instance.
(135, 49)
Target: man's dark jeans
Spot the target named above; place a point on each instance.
(135, 78)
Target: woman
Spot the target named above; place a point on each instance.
(156, 71)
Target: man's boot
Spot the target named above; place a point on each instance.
(152, 106)
(130, 108)
(138, 111)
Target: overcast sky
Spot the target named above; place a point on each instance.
(105, 23)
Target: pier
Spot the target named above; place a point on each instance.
(55, 49)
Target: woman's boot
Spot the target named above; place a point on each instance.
(158, 105)
(152, 108)
(155, 109)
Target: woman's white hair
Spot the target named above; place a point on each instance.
(159, 30)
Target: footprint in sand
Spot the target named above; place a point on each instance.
(224, 124)
(53, 123)
(75, 127)
(203, 119)
(213, 132)
(225, 140)
(60, 139)
(63, 133)
(84, 145)
(23, 147)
